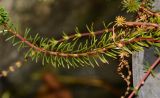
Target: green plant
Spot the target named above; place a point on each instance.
(116, 41)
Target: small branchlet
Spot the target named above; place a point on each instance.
(12, 68)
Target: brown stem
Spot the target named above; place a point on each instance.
(12, 68)
(144, 24)
(86, 34)
(77, 54)
(141, 83)
(130, 24)
(150, 12)
(95, 51)
(141, 39)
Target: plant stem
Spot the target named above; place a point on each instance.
(141, 83)
(93, 52)
(150, 12)
(129, 24)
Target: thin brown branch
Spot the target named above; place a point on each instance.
(142, 81)
(129, 24)
(149, 11)
(76, 54)
(143, 24)
(87, 34)
(93, 52)
(12, 68)
(141, 39)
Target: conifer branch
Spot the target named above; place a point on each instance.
(142, 81)
(80, 54)
(44, 51)
(124, 37)
(86, 34)
(63, 51)
(100, 32)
